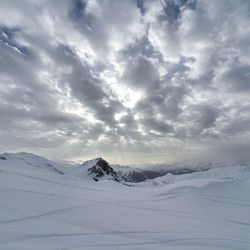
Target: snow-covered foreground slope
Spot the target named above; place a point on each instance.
(42, 209)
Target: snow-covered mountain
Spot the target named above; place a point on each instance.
(99, 169)
(32, 160)
(136, 174)
(42, 209)
(225, 173)
(95, 169)
(149, 172)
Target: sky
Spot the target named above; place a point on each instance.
(132, 81)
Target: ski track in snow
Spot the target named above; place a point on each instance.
(39, 216)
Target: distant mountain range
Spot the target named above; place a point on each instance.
(99, 169)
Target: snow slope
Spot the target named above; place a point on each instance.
(82, 169)
(42, 209)
(29, 159)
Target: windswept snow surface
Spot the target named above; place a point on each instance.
(42, 209)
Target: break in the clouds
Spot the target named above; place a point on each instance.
(133, 81)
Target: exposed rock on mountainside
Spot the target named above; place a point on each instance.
(99, 168)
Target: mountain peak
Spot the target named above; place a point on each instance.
(99, 168)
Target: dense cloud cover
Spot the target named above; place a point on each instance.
(133, 81)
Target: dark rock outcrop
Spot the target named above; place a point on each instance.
(99, 168)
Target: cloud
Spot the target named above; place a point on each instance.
(140, 73)
(128, 78)
(109, 26)
(237, 79)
